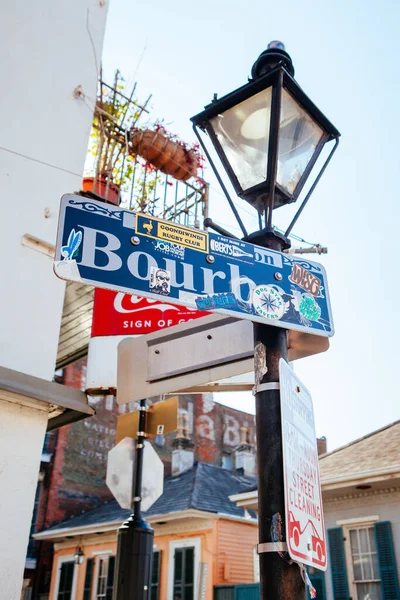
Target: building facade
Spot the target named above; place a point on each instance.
(74, 461)
(44, 142)
(196, 547)
(361, 499)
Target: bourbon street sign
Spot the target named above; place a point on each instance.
(108, 247)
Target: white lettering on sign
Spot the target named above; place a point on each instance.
(205, 427)
(231, 431)
(90, 248)
(305, 533)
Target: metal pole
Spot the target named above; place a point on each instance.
(279, 580)
(135, 537)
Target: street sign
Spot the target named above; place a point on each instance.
(161, 418)
(193, 354)
(121, 474)
(116, 313)
(120, 471)
(305, 531)
(152, 476)
(106, 246)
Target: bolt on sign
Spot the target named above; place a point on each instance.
(112, 248)
(305, 531)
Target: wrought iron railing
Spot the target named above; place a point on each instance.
(163, 196)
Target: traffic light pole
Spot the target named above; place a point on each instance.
(135, 537)
(279, 580)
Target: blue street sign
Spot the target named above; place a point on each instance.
(106, 246)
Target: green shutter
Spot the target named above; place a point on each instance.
(87, 591)
(387, 561)
(338, 564)
(318, 581)
(110, 578)
(155, 575)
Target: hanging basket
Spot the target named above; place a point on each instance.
(165, 154)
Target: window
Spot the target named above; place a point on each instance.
(364, 558)
(184, 574)
(362, 561)
(155, 575)
(105, 577)
(32, 543)
(226, 461)
(87, 590)
(183, 568)
(66, 581)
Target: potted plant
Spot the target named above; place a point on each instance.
(166, 151)
(123, 155)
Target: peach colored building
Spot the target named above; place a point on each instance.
(202, 539)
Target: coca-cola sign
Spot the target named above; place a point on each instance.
(116, 313)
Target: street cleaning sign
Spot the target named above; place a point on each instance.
(108, 247)
(305, 532)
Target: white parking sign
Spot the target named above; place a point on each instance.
(305, 531)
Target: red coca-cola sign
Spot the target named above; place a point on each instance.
(116, 313)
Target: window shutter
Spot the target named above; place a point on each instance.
(110, 578)
(338, 564)
(155, 575)
(318, 581)
(387, 561)
(87, 591)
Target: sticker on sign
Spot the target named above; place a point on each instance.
(305, 532)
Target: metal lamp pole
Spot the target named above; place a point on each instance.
(268, 136)
(278, 578)
(135, 537)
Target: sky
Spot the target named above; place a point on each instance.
(345, 54)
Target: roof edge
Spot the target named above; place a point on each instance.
(360, 439)
(57, 534)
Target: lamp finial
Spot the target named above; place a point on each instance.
(274, 54)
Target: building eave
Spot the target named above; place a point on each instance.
(68, 532)
(247, 500)
(391, 475)
(63, 404)
(371, 476)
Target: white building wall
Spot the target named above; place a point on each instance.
(47, 50)
(21, 428)
(384, 505)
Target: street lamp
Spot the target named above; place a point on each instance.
(79, 556)
(268, 136)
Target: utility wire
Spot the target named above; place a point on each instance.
(41, 162)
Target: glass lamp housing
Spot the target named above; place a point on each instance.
(79, 556)
(268, 135)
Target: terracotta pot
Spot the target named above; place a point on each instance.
(110, 192)
(164, 154)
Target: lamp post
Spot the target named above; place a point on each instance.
(132, 579)
(268, 136)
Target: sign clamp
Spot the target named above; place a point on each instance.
(271, 547)
(265, 387)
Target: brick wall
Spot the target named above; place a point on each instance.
(77, 481)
